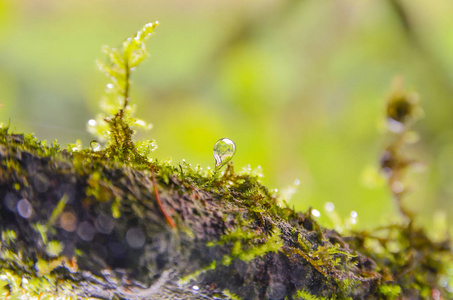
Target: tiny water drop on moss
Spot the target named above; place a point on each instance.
(24, 208)
(95, 146)
(315, 213)
(329, 206)
(224, 150)
(92, 122)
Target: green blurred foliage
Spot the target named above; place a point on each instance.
(298, 85)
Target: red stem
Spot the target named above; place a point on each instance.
(159, 202)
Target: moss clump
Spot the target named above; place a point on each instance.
(117, 128)
(101, 222)
(304, 295)
(242, 238)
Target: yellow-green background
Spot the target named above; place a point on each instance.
(298, 85)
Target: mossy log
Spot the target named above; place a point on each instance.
(74, 223)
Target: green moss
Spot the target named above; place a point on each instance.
(261, 219)
(245, 247)
(304, 295)
(57, 210)
(118, 128)
(42, 230)
(8, 236)
(390, 291)
(193, 276)
(54, 248)
(48, 287)
(231, 295)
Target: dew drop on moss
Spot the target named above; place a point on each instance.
(92, 122)
(95, 146)
(329, 206)
(86, 231)
(104, 223)
(68, 221)
(224, 150)
(135, 238)
(315, 213)
(10, 201)
(24, 208)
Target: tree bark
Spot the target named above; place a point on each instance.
(116, 243)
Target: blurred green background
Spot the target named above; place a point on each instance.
(300, 86)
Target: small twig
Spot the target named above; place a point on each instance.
(159, 202)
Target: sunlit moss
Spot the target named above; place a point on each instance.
(13, 286)
(116, 123)
(304, 295)
(193, 276)
(390, 291)
(244, 246)
(54, 248)
(261, 218)
(231, 295)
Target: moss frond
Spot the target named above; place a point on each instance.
(116, 123)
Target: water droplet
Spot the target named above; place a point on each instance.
(92, 122)
(397, 187)
(104, 223)
(95, 146)
(68, 221)
(329, 206)
(140, 123)
(196, 288)
(442, 281)
(110, 86)
(24, 208)
(354, 214)
(296, 182)
(435, 293)
(395, 126)
(315, 213)
(86, 231)
(135, 237)
(10, 201)
(224, 150)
